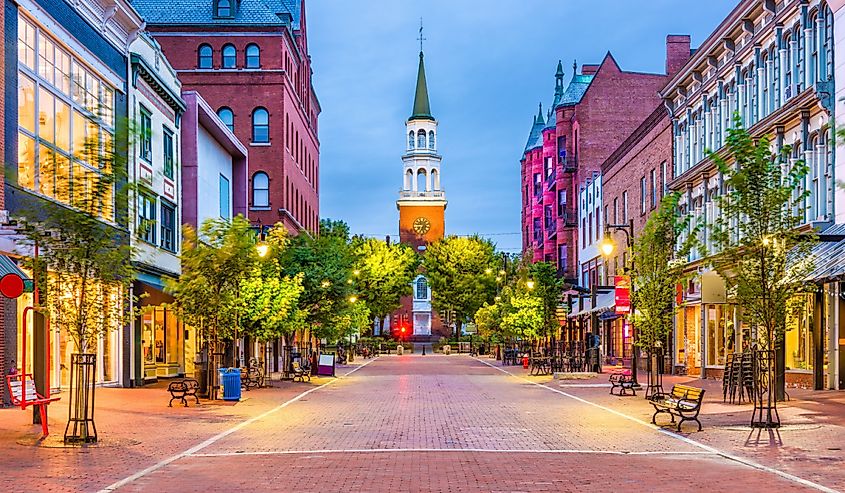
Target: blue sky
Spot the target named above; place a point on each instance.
(488, 65)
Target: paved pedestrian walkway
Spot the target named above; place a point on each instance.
(411, 423)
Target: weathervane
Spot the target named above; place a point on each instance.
(421, 38)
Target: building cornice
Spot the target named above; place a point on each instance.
(140, 68)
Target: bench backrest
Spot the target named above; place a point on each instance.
(686, 392)
(296, 366)
(16, 388)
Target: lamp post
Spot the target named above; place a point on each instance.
(607, 247)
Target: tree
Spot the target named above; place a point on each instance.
(383, 274)
(208, 294)
(461, 273)
(81, 263)
(548, 287)
(523, 314)
(762, 255)
(326, 266)
(657, 271)
(270, 298)
(353, 320)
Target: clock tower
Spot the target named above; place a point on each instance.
(422, 201)
(422, 206)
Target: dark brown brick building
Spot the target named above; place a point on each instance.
(249, 59)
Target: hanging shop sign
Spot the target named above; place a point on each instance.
(623, 294)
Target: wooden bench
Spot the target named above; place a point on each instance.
(181, 390)
(22, 391)
(624, 380)
(683, 401)
(300, 373)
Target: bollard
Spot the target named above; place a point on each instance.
(423, 353)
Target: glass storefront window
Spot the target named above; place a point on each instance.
(799, 333)
(721, 333)
(75, 116)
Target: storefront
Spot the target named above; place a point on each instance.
(163, 337)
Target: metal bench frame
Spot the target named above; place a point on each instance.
(672, 404)
(20, 395)
(624, 380)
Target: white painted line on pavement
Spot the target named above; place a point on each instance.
(682, 438)
(221, 435)
(480, 450)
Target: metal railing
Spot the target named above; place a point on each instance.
(410, 194)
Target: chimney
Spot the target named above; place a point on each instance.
(677, 52)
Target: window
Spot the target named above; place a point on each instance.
(204, 57)
(147, 217)
(421, 139)
(260, 190)
(598, 222)
(653, 189)
(260, 126)
(229, 56)
(168, 153)
(224, 197)
(253, 56)
(224, 8)
(664, 181)
(643, 192)
(625, 206)
(227, 117)
(168, 227)
(411, 139)
(422, 289)
(590, 228)
(146, 137)
(615, 210)
(721, 333)
(431, 140)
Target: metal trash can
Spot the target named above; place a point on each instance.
(230, 380)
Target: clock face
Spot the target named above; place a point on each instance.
(421, 225)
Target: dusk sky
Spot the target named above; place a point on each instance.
(488, 65)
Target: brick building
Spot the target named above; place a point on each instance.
(590, 118)
(249, 59)
(771, 63)
(634, 180)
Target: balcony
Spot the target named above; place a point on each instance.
(567, 163)
(410, 194)
(551, 229)
(551, 177)
(568, 216)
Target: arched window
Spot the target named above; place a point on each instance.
(224, 8)
(431, 140)
(227, 117)
(421, 139)
(253, 56)
(411, 139)
(787, 65)
(422, 289)
(435, 180)
(409, 180)
(204, 55)
(260, 126)
(421, 180)
(260, 190)
(229, 56)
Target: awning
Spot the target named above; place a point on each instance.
(604, 302)
(828, 257)
(13, 281)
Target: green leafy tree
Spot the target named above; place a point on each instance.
(762, 255)
(523, 315)
(488, 318)
(271, 298)
(383, 274)
(82, 241)
(461, 273)
(326, 263)
(353, 320)
(548, 287)
(208, 295)
(658, 269)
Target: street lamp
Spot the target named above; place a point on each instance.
(261, 246)
(529, 284)
(353, 299)
(607, 247)
(488, 271)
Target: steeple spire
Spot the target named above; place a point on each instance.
(422, 109)
(540, 119)
(558, 85)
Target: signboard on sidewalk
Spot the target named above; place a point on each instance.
(623, 294)
(325, 365)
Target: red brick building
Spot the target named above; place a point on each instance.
(591, 117)
(249, 59)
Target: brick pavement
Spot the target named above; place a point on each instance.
(411, 423)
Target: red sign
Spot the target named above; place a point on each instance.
(679, 295)
(11, 286)
(623, 294)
